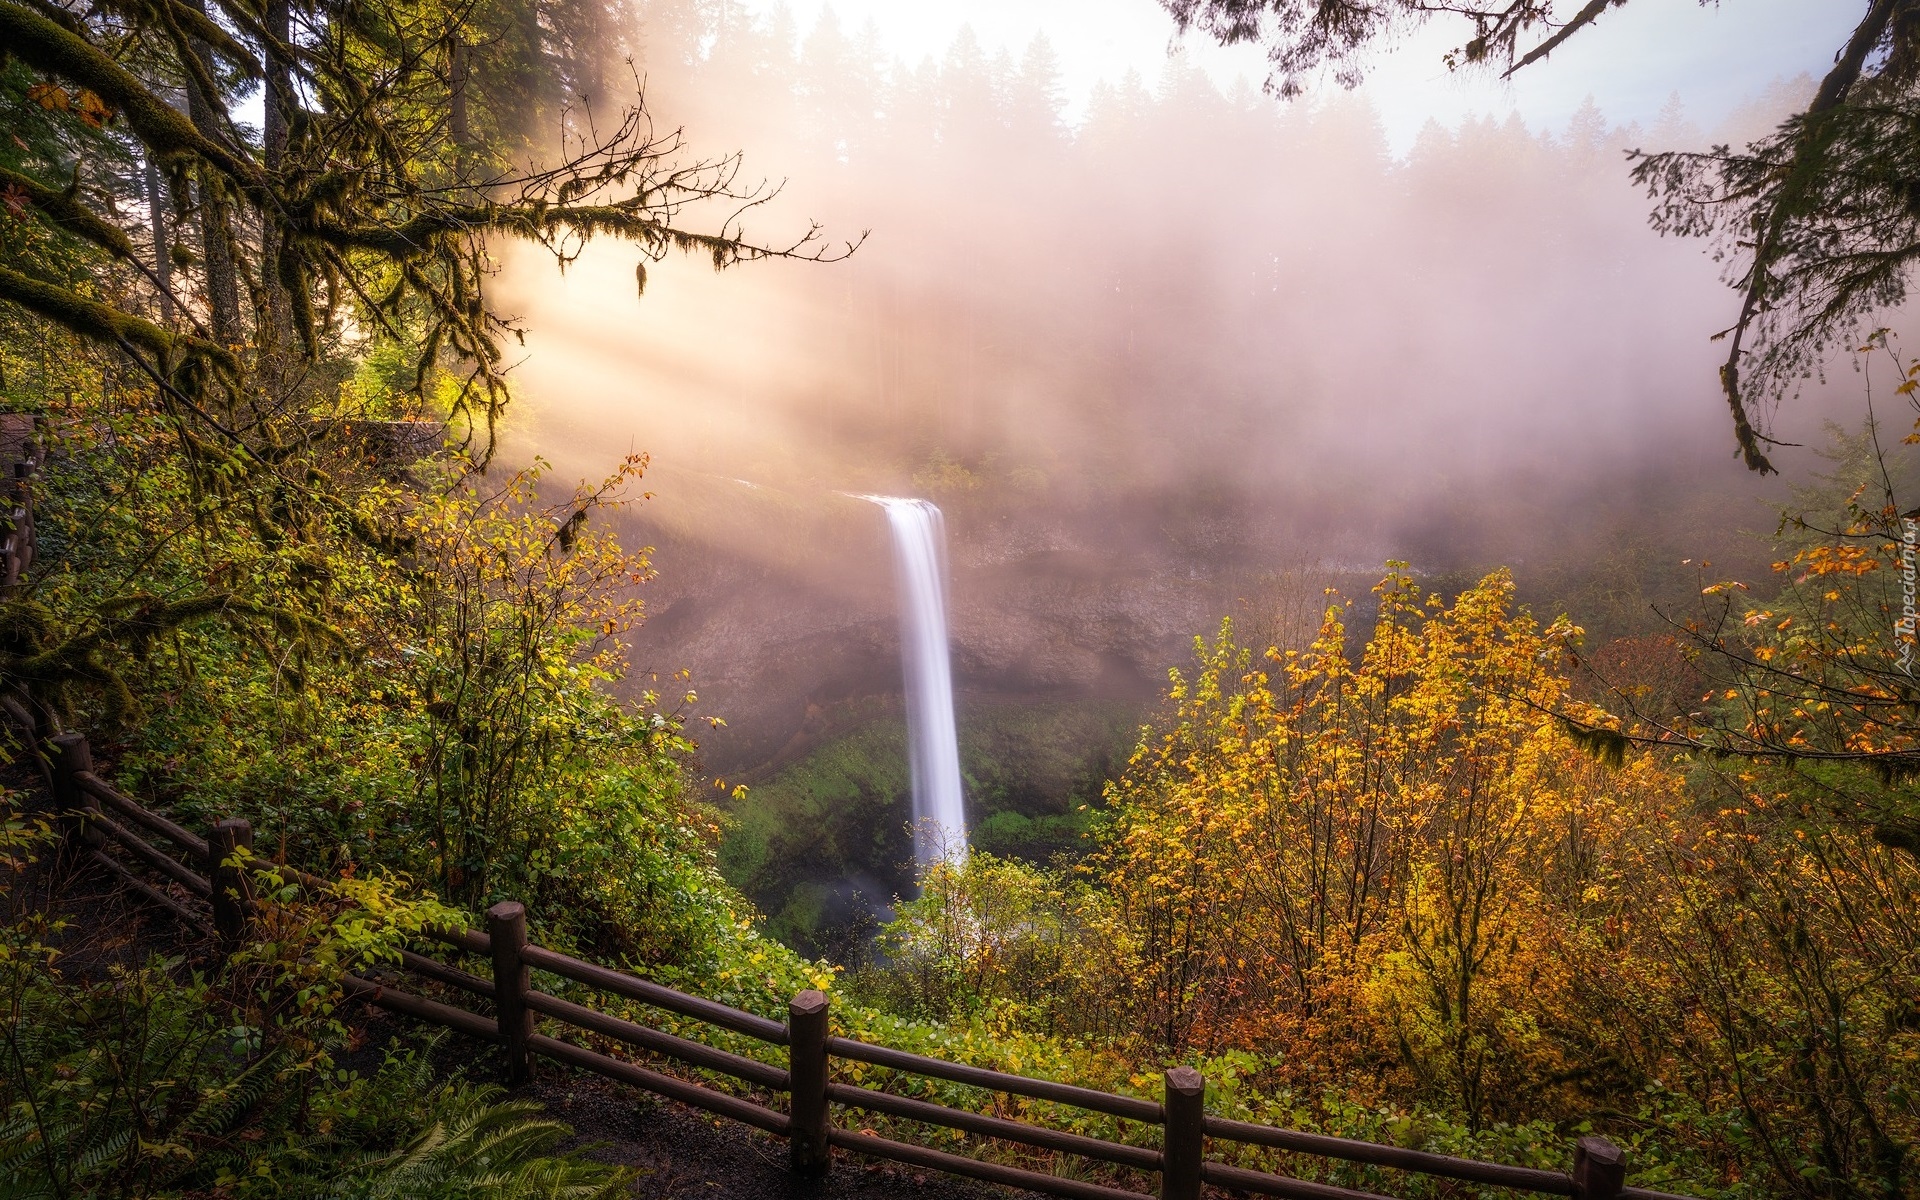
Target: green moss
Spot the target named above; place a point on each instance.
(1042, 760)
(1038, 839)
(831, 832)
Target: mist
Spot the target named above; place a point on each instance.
(1200, 354)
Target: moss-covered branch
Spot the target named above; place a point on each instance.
(99, 322)
(533, 219)
(195, 24)
(66, 213)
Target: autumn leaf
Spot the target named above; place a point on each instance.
(92, 109)
(15, 200)
(49, 96)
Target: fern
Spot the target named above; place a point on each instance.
(84, 1063)
(222, 1108)
(135, 1086)
(101, 1154)
(477, 1146)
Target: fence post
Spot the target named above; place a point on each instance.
(807, 1083)
(19, 518)
(232, 884)
(1184, 1147)
(72, 755)
(1599, 1169)
(507, 927)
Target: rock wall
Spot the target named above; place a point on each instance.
(783, 610)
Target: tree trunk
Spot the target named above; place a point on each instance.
(162, 257)
(457, 89)
(216, 237)
(278, 94)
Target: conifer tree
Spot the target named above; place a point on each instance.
(1818, 217)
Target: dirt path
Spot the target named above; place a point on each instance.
(681, 1153)
(687, 1155)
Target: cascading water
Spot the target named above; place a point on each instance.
(933, 745)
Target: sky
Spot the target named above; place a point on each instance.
(1632, 61)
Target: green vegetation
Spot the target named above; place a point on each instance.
(1417, 884)
(161, 1080)
(836, 823)
(277, 577)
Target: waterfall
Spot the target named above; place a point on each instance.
(933, 744)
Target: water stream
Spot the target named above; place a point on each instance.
(933, 743)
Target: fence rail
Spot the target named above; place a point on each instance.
(84, 800)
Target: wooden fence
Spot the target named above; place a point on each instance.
(19, 457)
(116, 833)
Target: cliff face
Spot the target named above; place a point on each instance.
(784, 612)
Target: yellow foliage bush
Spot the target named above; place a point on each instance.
(1392, 866)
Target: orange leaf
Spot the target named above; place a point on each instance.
(49, 96)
